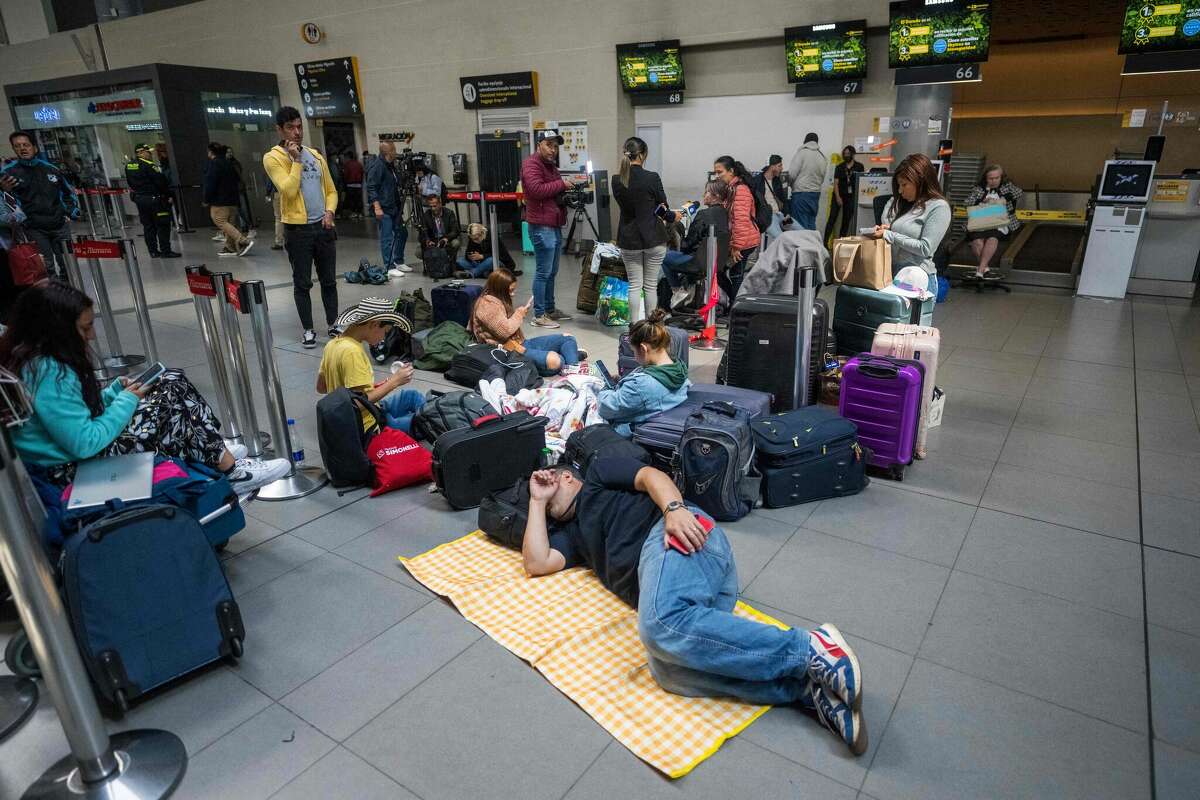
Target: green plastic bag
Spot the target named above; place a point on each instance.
(612, 309)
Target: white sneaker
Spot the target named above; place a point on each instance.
(395, 273)
(679, 295)
(246, 247)
(401, 267)
(238, 451)
(220, 237)
(251, 474)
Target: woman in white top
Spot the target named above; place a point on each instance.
(916, 218)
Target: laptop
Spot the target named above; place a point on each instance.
(128, 478)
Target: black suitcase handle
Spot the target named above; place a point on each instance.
(878, 369)
(721, 407)
(106, 526)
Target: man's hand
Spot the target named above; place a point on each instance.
(683, 525)
(8, 183)
(542, 485)
(293, 150)
(327, 220)
(378, 210)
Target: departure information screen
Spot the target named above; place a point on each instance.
(1155, 27)
(650, 66)
(929, 32)
(830, 51)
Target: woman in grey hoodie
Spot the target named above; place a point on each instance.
(658, 384)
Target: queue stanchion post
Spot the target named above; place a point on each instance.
(202, 287)
(137, 764)
(300, 480)
(87, 206)
(104, 210)
(806, 277)
(235, 351)
(74, 276)
(495, 237)
(707, 339)
(93, 251)
(118, 196)
(140, 309)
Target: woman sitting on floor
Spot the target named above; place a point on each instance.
(658, 384)
(495, 321)
(477, 261)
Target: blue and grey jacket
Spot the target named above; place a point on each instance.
(45, 194)
(643, 393)
(383, 184)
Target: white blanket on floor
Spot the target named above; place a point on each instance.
(569, 402)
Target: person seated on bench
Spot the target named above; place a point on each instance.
(495, 321)
(74, 418)
(658, 384)
(624, 520)
(683, 266)
(344, 363)
(439, 227)
(477, 261)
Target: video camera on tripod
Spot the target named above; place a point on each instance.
(411, 161)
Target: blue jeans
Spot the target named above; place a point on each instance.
(697, 647)
(478, 269)
(547, 247)
(675, 266)
(400, 406)
(393, 236)
(804, 209)
(539, 347)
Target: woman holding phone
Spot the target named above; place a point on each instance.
(494, 320)
(74, 418)
(642, 230)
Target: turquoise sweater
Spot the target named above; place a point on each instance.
(62, 429)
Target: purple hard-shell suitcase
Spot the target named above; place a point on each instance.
(882, 396)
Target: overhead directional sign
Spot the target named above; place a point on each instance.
(330, 88)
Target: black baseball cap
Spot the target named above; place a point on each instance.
(548, 133)
(774, 159)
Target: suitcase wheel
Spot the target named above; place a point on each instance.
(121, 703)
(897, 472)
(18, 655)
(235, 648)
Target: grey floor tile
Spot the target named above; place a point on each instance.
(1173, 590)
(968, 437)
(755, 541)
(1089, 506)
(736, 766)
(346, 524)
(1176, 772)
(1165, 382)
(256, 759)
(1097, 571)
(294, 513)
(343, 774)
(1085, 372)
(952, 476)
(1114, 399)
(1077, 458)
(1066, 420)
(983, 628)
(992, 360)
(909, 523)
(1161, 406)
(1169, 474)
(1175, 687)
(1171, 523)
(1179, 437)
(794, 516)
(353, 691)
(792, 732)
(979, 379)
(410, 535)
(300, 624)
(953, 736)
(982, 406)
(461, 733)
(869, 592)
(1028, 340)
(265, 563)
(255, 533)
(1116, 354)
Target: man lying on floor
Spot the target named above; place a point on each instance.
(624, 522)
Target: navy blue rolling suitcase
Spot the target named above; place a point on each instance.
(454, 301)
(808, 454)
(148, 600)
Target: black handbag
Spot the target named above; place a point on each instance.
(504, 513)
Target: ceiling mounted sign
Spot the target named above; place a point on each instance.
(311, 32)
(508, 90)
(330, 88)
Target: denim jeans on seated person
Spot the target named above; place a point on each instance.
(697, 647)
(478, 269)
(540, 347)
(676, 266)
(400, 406)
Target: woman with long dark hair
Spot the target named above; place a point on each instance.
(74, 418)
(916, 218)
(495, 321)
(993, 187)
(642, 230)
(743, 232)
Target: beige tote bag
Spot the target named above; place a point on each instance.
(862, 261)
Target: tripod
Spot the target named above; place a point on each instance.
(581, 212)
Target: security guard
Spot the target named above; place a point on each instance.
(152, 194)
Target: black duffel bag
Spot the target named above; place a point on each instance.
(447, 411)
(599, 441)
(486, 362)
(503, 514)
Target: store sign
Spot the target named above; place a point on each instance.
(330, 88)
(311, 32)
(134, 127)
(97, 248)
(509, 90)
(136, 105)
(240, 111)
(47, 115)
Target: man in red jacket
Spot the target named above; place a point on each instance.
(543, 186)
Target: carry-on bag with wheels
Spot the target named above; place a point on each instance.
(882, 396)
(808, 454)
(148, 600)
(762, 346)
(918, 343)
(454, 301)
(470, 462)
(627, 363)
(858, 313)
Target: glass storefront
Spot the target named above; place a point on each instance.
(245, 123)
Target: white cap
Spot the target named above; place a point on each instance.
(910, 282)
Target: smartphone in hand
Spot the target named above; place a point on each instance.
(151, 376)
(665, 214)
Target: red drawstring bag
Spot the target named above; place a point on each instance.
(398, 460)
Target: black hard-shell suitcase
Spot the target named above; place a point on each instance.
(470, 462)
(762, 347)
(626, 363)
(454, 301)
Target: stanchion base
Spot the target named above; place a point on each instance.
(123, 362)
(304, 481)
(152, 765)
(715, 343)
(18, 698)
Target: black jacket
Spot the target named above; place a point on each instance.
(450, 229)
(639, 228)
(484, 248)
(221, 183)
(383, 184)
(146, 180)
(45, 194)
(759, 185)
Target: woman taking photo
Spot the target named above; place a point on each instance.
(915, 218)
(993, 187)
(744, 237)
(74, 419)
(658, 384)
(642, 230)
(495, 321)
(691, 259)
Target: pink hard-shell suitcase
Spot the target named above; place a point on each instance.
(919, 343)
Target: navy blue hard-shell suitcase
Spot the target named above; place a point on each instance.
(454, 301)
(148, 600)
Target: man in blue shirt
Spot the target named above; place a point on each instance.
(46, 197)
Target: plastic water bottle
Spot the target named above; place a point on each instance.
(297, 444)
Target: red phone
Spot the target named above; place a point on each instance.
(674, 542)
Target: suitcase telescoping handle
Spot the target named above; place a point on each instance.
(107, 526)
(229, 504)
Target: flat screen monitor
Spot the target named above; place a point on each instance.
(650, 66)
(924, 33)
(832, 51)
(1150, 27)
(1126, 181)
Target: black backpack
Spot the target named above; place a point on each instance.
(715, 461)
(437, 263)
(341, 438)
(599, 441)
(503, 514)
(448, 411)
(762, 216)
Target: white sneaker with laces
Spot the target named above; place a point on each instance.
(679, 295)
(402, 267)
(246, 247)
(250, 474)
(220, 237)
(395, 273)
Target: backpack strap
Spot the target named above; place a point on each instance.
(360, 399)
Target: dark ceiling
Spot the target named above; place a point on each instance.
(1030, 20)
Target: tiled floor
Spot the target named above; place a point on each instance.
(999, 598)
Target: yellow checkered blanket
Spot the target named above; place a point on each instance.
(584, 641)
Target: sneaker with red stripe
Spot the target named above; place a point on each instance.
(834, 665)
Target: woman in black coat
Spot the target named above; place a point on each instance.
(642, 230)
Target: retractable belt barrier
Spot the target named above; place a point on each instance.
(707, 338)
(104, 194)
(93, 251)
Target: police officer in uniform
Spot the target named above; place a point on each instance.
(152, 194)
